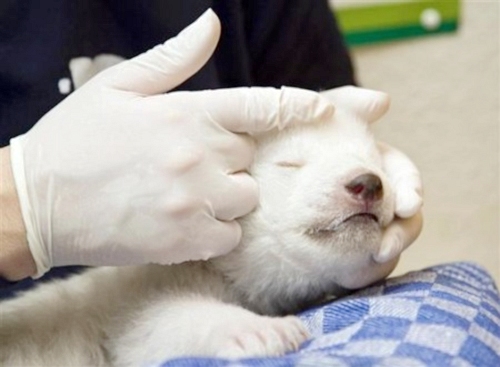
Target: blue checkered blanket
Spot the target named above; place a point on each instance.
(448, 315)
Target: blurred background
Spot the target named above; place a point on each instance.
(445, 115)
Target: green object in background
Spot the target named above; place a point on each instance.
(364, 24)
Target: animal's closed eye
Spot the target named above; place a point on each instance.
(289, 164)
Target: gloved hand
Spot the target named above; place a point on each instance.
(403, 175)
(119, 173)
(407, 185)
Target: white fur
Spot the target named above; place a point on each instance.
(296, 250)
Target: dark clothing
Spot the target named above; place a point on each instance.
(263, 43)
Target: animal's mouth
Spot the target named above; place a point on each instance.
(353, 219)
(361, 217)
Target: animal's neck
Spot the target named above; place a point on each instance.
(271, 292)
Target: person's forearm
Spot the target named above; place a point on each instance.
(16, 261)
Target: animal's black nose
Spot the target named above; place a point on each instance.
(367, 187)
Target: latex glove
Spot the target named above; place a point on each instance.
(403, 175)
(119, 173)
(406, 182)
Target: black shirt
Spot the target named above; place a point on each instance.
(263, 42)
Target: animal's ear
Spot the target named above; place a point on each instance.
(368, 104)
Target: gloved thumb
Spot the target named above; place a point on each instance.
(400, 234)
(165, 66)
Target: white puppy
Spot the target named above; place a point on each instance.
(325, 203)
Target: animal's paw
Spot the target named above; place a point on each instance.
(263, 336)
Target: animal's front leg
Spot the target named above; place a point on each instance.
(177, 326)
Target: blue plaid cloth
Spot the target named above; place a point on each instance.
(448, 315)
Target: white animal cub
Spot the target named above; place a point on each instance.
(325, 202)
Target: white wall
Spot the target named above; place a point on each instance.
(445, 115)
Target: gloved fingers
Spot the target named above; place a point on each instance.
(238, 196)
(400, 234)
(167, 65)
(256, 109)
(408, 201)
(234, 152)
(218, 239)
(237, 151)
(369, 104)
(405, 180)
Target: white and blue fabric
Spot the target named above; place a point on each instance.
(448, 315)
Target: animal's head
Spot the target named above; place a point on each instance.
(324, 202)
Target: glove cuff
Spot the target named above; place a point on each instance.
(33, 233)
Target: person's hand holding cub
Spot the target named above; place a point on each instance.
(120, 173)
